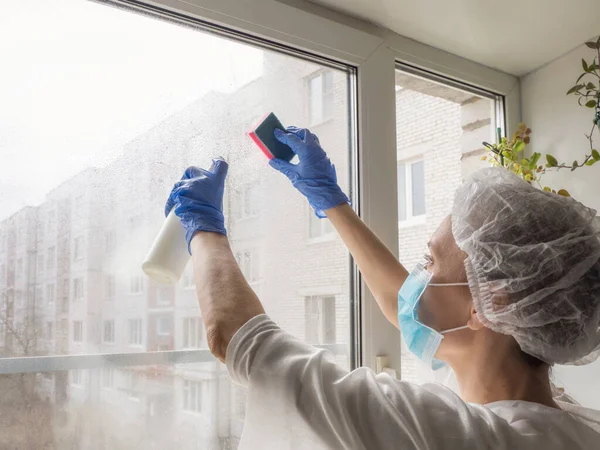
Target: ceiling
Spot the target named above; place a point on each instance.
(515, 36)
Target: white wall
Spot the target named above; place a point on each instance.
(559, 126)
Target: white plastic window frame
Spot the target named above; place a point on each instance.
(299, 26)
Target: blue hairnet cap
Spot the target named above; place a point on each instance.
(533, 265)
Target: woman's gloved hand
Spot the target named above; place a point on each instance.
(198, 199)
(314, 176)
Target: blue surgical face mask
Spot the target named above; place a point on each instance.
(422, 341)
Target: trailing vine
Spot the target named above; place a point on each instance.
(511, 153)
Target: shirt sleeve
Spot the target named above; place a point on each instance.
(297, 392)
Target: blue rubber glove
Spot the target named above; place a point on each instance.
(198, 199)
(314, 175)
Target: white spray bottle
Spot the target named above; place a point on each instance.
(169, 254)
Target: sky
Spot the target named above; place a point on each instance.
(80, 79)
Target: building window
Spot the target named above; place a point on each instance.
(163, 326)
(50, 258)
(192, 332)
(247, 202)
(318, 228)
(50, 294)
(192, 396)
(109, 288)
(77, 331)
(78, 248)
(249, 262)
(164, 295)
(188, 281)
(320, 319)
(19, 267)
(18, 298)
(135, 332)
(77, 289)
(109, 332)
(49, 331)
(108, 377)
(136, 284)
(411, 190)
(321, 97)
(51, 218)
(77, 377)
(40, 263)
(133, 389)
(110, 242)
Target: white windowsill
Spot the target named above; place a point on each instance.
(413, 221)
(322, 122)
(326, 238)
(247, 218)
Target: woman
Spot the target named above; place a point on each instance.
(511, 286)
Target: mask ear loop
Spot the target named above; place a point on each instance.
(448, 284)
(454, 329)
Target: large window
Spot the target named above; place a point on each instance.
(106, 122)
(440, 130)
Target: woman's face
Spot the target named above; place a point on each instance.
(446, 307)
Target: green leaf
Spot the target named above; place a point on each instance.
(519, 146)
(596, 155)
(563, 192)
(534, 159)
(591, 104)
(552, 162)
(575, 88)
(585, 65)
(547, 189)
(591, 162)
(590, 86)
(593, 45)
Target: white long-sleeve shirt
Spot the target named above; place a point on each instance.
(298, 398)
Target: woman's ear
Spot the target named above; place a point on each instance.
(474, 323)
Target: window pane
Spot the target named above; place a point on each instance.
(316, 99)
(441, 128)
(328, 320)
(111, 152)
(417, 180)
(402, 192)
